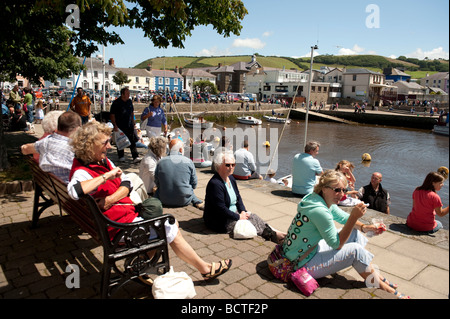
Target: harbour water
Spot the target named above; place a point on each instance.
(403, 156)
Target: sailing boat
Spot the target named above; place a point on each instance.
(197, 120)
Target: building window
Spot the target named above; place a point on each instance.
(175, 81)
(267, 88)
(353, 88)
(160, 81)
(313, 89)
(106, 75)
(84, 73)
(354, 77)
(167, 81)
(147, 80)
(136, 79)
(319, 89)
(96, 74)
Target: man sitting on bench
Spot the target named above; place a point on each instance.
(55, 153)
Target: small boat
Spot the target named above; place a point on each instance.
(198, 122)
(249, 120)
(276, 119)
(441, 130)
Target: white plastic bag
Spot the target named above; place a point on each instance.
(244, 229)
(122, 140)
(173, 285)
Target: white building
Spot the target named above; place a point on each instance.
(92, 77)
(193, 75)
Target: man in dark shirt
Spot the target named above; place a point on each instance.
(122, 117)
(375, 195)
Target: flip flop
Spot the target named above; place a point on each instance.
(401, 296)
(223, 268)
(394, 286)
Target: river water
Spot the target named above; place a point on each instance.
(403, 156)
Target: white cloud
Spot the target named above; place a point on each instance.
(249, 43)
(353, 51)
(433, 54)
(214, 51)
(267, 33)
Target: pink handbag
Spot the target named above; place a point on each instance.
(304, 281)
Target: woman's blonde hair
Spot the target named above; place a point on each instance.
(328, 178)
(83, 140)
(344, 163)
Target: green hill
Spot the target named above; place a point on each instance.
(197, 62)
(416, 68)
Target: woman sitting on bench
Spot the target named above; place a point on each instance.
(93, 173)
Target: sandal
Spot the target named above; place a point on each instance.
(223, 268)
(394, 286)
(401, 296)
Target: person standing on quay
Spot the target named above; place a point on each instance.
(122, 117)
(305, 168)
(81, 104)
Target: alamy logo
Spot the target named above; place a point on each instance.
(73, 19)
(373, 19)
(73, 279)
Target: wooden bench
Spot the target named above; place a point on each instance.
(126, 256)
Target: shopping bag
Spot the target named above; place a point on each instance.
(304, 281)
(244, 229)
(173, 285)
(122, 140)
(279, 266)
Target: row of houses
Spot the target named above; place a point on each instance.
(328, 85)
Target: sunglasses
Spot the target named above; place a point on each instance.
(338, 190)
(106, 142)
(230, 165)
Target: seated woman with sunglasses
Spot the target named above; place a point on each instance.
(93, 173)
(224, 205)
(313, 232)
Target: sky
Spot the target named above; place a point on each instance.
(289, 28)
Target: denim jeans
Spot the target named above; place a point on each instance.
(328, 261)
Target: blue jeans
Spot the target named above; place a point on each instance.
(328, 261)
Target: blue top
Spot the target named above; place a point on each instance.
(304, 170)
(175, 179)
(157, 119)
(314, 221)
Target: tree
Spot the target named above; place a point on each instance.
(120, 78)
(205, 86)
(38, 43)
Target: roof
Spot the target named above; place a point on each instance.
(136, 72)
(361, 71)
(398, 72)
(97, 64)
(166, 73)
(197, 73)
(411, 85)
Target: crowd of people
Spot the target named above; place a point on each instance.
(75, 149)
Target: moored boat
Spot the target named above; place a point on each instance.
(441, 130)
(276, 119)
(198, 122)
(249, 120)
